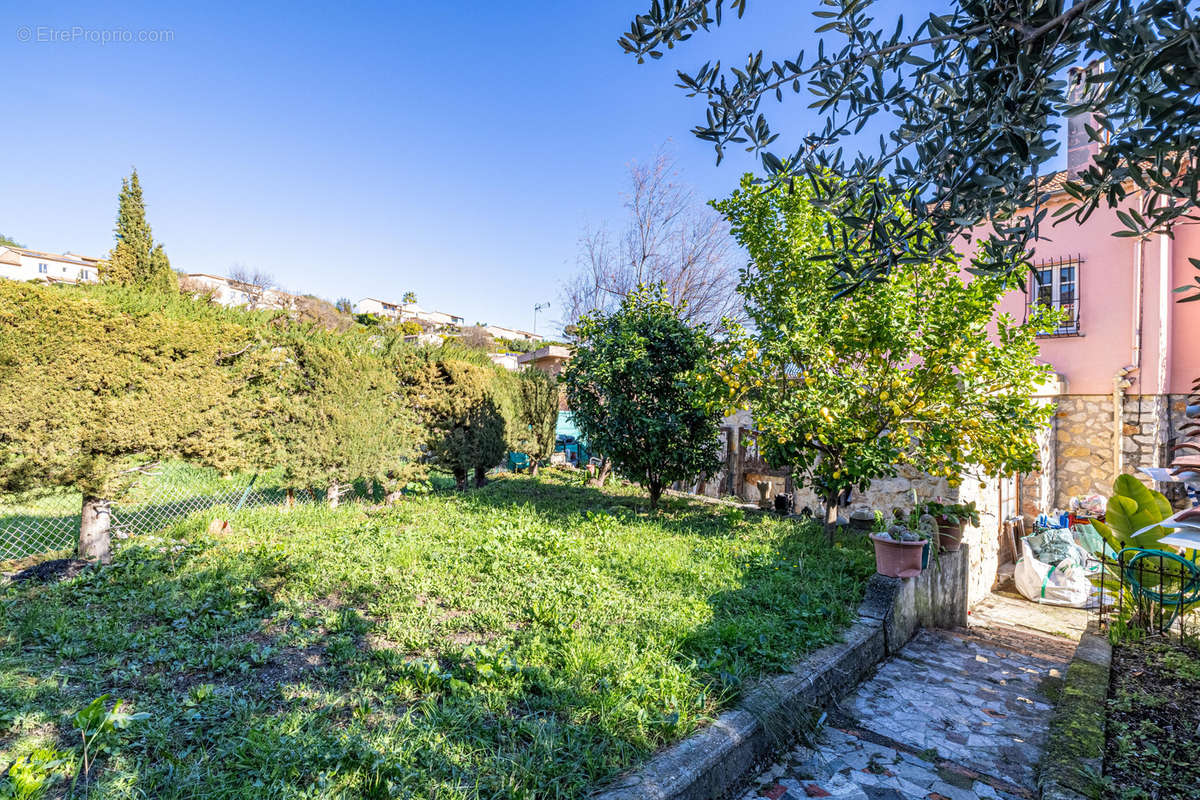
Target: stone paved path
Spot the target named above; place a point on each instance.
(956, 715)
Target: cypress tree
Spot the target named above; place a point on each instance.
(136, 260)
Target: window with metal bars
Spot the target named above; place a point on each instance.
(1054, 283)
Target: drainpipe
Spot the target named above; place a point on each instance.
(1125, 376)
(1163, 400)
(1121, 382)
(1139, 260)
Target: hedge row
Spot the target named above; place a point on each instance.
(95, 380)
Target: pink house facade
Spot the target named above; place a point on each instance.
(1124, 360)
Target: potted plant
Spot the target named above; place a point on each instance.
(901, 551)
(951, 519)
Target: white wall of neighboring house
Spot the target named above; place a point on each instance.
(380, 308)
(22, 264)
(405, 311)
(506, 360)
(425, 339)
(501, 332)
(438, 317)
(229, 292)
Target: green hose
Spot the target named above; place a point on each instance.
(1189, 583)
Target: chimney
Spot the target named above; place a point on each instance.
(1081, 148)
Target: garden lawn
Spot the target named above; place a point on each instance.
(530, 639)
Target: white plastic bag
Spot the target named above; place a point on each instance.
(1063, 584)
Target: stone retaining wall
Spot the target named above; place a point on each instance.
(1075, 745)
(885, 494)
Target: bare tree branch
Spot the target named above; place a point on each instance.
(254, 283)
(670, 238)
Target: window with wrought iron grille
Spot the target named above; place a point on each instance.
(1054, 283)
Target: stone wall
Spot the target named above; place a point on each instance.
(1084, 444)
(982, 541)
(1083, 458)
(1037, 488)
(885, 494)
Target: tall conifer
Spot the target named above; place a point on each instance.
(136, 260)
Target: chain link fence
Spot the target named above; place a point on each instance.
(48, 521)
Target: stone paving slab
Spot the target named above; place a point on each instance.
(954, 716)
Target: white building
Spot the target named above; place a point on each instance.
(229, 292)
(501, 332)
(401, 312)
(22, 264)
(506, 360)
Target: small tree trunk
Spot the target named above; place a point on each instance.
(533, 467)
(656, 490)
(831, 514)
(460, 479)
(95, 524)
(480, 477)
(290, 501)
(333, 495)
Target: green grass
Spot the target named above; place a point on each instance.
(42, 521)
(531, 639)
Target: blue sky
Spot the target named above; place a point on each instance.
(354, 151)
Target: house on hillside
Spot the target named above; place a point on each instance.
(550, 359)
(401, 312)
(229, 292)
(512, 334)
(23, 264)
(508, 361)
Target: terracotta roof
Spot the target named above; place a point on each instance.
(1055, 183)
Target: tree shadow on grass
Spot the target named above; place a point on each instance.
(26, 534)
(564, 504)
(239, 699)
(246, 700)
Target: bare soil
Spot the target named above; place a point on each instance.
(1152, 747)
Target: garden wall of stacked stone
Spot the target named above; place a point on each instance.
(885, 494)
(718, 759)
(982, 541)
(1083, 440)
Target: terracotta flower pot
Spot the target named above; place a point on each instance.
(949, 535)
(897, 559)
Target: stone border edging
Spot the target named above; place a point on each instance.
(1075, 741)
(717, 759)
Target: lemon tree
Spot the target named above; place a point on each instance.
(915, 368)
